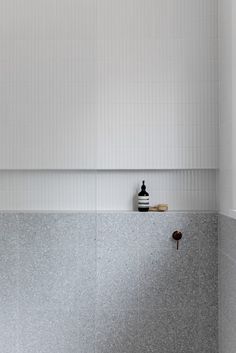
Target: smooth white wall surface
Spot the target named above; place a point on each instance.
(227, 105)
(106, 190)
(234, 102)
(108, 84)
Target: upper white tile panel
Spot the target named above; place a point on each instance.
(108, 84)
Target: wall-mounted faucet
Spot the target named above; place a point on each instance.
(177, 235)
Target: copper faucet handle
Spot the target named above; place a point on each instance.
(177, 235)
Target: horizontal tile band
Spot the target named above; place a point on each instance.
(81, 190)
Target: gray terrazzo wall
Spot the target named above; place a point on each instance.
(108, 282)
(227, 284)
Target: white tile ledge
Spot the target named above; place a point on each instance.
(107, 211)
(232, 214)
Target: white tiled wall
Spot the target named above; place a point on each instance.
(182, 190)
(106, 190)
(112, 86)
(108, 84)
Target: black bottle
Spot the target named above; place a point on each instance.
(143, 199)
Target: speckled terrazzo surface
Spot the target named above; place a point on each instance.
(108, 282)
(227, 284)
